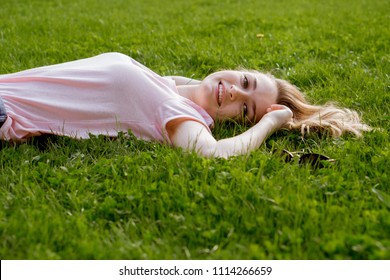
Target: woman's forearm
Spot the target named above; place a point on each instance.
(246, 142)
(192, 135)
(276, 117)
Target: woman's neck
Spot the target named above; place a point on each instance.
(187, 91)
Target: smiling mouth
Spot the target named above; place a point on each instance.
(220, 90)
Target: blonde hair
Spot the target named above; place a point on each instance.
(308, 118)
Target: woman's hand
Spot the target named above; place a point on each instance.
(280, 115)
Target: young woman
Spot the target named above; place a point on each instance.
(112, 92)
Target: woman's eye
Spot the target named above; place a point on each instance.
(245, 110)
(245, 82)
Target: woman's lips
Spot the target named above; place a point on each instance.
(220, 93)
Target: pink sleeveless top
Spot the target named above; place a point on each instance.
(105, 94)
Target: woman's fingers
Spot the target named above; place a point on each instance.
(280, 113)
(277, 107)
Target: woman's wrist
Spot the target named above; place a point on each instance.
(270, 121)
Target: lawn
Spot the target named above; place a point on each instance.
(127, 199)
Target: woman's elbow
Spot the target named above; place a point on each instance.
(214, 151)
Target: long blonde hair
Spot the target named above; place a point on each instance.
(308, 118)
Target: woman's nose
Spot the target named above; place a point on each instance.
(235, 92)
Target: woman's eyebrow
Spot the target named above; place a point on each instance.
(255, 83)
(254, 111)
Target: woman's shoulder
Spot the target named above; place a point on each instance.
(114, 55)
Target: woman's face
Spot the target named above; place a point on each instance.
(237, 95)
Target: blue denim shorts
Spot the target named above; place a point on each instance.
(3, 113)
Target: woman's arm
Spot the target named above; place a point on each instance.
(179, 80)
(194, 136)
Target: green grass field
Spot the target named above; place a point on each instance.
(127, 199)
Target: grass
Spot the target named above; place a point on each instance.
(128, 199)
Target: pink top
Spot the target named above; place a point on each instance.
(104, 94)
